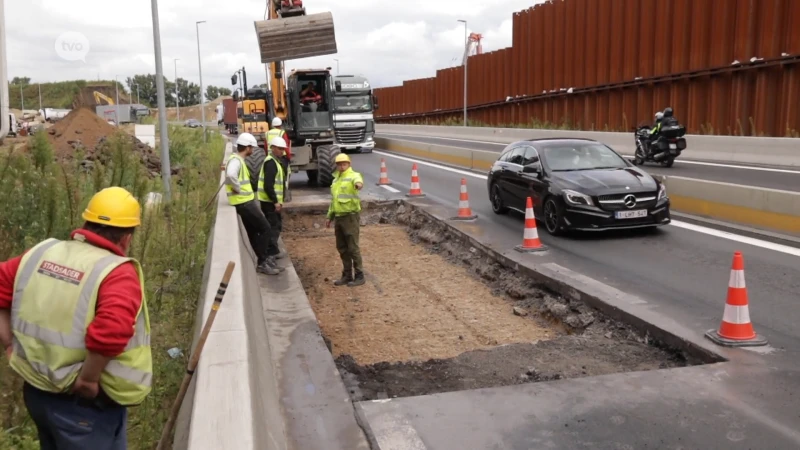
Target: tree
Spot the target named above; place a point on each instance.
(214, 92)
(224, 92)
(24, 81)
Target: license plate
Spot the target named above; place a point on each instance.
(673, 152)
(631, 214)
(673, 146)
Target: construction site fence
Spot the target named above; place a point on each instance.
(725, 66)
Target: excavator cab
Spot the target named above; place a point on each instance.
(309, 93)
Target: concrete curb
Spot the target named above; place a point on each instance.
(769, 209)
(747, 150)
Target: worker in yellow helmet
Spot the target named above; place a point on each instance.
(75, 326)
(345, 210)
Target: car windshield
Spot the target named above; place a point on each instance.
(569, 157)
(344, 103)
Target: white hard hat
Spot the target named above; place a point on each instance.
(278, 141)
(659, 115)
(247, 139)
(276, 122)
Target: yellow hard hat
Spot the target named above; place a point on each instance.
(341, 157)
(114, 207)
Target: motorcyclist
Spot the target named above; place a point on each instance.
(653, 135)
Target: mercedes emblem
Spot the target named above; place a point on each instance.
(629, 201)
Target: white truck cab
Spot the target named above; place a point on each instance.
(353, 107)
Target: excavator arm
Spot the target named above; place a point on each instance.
(99, 97)
(277, 82)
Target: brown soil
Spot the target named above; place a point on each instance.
(437, 315)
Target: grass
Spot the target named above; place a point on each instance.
(43, 198)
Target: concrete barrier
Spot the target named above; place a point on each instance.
(265, 380)
(731, 149)
(769, 209)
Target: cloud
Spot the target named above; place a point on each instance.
(387, 40)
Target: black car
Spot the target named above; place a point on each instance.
(576, 184)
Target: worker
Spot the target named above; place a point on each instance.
(345, 210)
(271, 187)
(75, 326)
(277, 130)
(241, 196)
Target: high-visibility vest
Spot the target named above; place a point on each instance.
(344, 195)
(55, 295)
(277, 185)
(273, 133)
(245, 188)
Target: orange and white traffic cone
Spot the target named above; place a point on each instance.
(736, 330)
(464, 211)
(415, 190)
(530, 238)
(384, 180)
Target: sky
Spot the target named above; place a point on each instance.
(387, 41)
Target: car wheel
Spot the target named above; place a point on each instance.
(553, 217)
(497, 200)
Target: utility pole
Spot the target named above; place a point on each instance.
(4, 125)
(40, 96)
(200, 68)
(177, 94)
(22, 99)
(466, 58)
(337, 66)
(162, 109)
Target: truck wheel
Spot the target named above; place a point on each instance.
(326, 154)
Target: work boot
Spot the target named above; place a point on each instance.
(358, 280)
(347, 277)
(274, 264)
(280, 255)
(266, 269)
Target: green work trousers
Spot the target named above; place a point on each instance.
(347, 228)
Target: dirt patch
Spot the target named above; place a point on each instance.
(438, 315)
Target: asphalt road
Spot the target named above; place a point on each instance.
(768, 177)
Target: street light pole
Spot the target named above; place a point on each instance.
(162, 108)
(40, 96)
(116, 108)
(177, 94)
(22, 99)
(337, 66)
(466, 58)
(200, 68)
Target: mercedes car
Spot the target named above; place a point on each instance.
(576, 184)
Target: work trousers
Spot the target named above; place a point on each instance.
(257, 227)
(347, 229)
(68, 422)
(275, 224)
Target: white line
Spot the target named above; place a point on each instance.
(390, 189)
(688, 226)
(680, 161)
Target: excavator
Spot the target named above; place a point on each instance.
(303, 98)
(254, 108)
(99, 97)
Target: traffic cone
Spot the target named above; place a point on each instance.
(384, 180)
(415, 190)
(530, 239)
(736, 330)
(464, 211)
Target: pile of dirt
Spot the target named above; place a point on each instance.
(83, 129)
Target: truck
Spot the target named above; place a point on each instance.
(353, 107)
(116, 113)
(230, 117)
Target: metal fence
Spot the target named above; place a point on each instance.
(726, 66)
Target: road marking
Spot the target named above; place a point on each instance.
(390, 189)
(688, 226)
(678, 161)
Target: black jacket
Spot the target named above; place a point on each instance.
(270, 172)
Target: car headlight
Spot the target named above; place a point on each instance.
(662, 192)
(577, 198)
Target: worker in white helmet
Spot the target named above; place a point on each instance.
(277, 130)
(241, 196)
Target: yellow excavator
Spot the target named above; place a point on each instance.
(99, 97)
(303, 99)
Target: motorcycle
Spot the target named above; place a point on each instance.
(664, 150)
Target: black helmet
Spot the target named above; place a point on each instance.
(667, 112)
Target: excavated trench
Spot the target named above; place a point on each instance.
(439, 315)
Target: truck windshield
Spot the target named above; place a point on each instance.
(344, 103)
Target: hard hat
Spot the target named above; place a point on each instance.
(276, 122)
(247, 139)
(113, 206)
(341, 157)
(278, 141)
(659, 115)
(667, 112)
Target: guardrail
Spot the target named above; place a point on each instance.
(729, 149)
(769, 209)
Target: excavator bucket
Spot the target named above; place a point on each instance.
(296, 37)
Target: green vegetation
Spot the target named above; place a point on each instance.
(43, 198)
(54, 95)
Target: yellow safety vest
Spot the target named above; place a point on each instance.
(245, 188)
(55, 295)
(273, 133)
(277, 185)
(344, 195)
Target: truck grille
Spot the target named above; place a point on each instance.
(350, 136)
